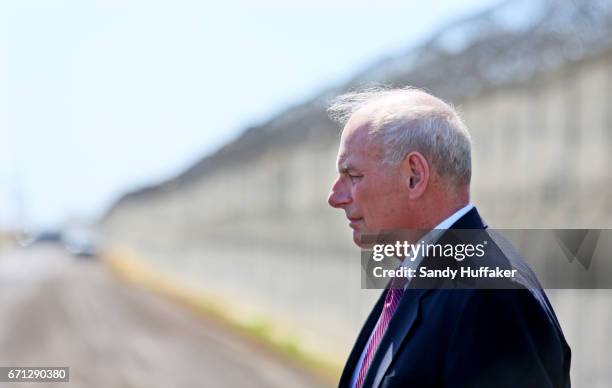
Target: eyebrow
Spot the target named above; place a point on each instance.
(346, 168)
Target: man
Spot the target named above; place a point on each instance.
(404, 162)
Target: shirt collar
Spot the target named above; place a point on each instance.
(433, 235)
(447, 223)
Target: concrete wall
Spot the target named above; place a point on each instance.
(260, 233)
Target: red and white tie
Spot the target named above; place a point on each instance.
(394, 295)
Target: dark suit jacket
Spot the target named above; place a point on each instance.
(470, 337)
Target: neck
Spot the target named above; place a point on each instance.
(441, 207)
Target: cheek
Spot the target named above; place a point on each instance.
(370, 196)
(365, 194)
(381, 202)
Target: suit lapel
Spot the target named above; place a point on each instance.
(397, 332)
(362, 340)
(404, 318)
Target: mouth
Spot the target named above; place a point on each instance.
(354, 222)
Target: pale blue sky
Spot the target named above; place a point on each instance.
(101, 97)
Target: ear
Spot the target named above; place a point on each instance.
(415, 171)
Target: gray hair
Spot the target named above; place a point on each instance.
(434, 129)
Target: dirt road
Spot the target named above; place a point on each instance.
(56, 310)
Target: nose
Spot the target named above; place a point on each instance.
(339, 195)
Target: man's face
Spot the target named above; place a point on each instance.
(371, 193)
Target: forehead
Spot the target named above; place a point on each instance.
(357, 146)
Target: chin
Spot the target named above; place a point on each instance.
(357, 239)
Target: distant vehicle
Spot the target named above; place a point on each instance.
(84, 250)
(82, 243)
(44, 237)
(48, 236)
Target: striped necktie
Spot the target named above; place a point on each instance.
(394, 295)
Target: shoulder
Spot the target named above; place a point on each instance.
(488, 304)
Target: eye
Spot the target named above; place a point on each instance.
(354, 177)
